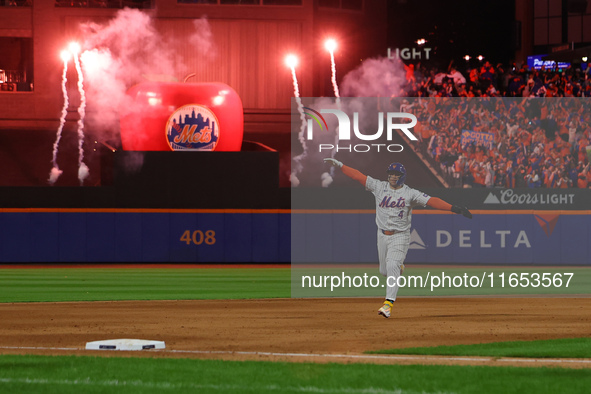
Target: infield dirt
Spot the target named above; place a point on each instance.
(318, 330)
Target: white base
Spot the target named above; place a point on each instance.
(124, 344)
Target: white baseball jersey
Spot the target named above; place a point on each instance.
(394, 206)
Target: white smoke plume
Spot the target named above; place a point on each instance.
(376, 77)
(132, 39)
(202, 39)
(82, 168)
(83, 172)
(55, 170)
(54, 175)
(126, 50)
(326, 179)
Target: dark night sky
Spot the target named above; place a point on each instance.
(454, 28)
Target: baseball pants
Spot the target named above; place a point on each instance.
(392, 251)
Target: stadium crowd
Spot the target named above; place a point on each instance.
(529, 128)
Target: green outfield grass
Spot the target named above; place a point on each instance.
(106, 284)
(46, 374)
(553, 348)
(69, 374)
(351, 281)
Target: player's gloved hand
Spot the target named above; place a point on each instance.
(333, 162)
(461, 210)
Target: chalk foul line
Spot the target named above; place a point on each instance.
(336, 356)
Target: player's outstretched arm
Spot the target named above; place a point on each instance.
(438, 203)
(350, 172)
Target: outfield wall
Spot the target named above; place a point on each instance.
(282, 236)
(119, 235)
(491, 237)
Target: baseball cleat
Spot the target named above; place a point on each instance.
(385, 309)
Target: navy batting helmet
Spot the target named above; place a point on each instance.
(397, 169)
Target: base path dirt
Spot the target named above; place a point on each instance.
(317, 330)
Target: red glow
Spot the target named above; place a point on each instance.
(74, 48)
(330, 45)
(65, 55)
(96, 63)
(291, 61)
(91, 60)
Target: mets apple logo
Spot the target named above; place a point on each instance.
(192, 127)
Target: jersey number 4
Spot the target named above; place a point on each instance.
(401, 214)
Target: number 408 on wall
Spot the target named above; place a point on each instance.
(198, 237)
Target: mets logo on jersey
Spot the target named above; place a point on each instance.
(387, 202)
(192, 127)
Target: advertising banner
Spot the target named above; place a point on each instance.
(534, 237)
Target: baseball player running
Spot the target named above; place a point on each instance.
(394, 204)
